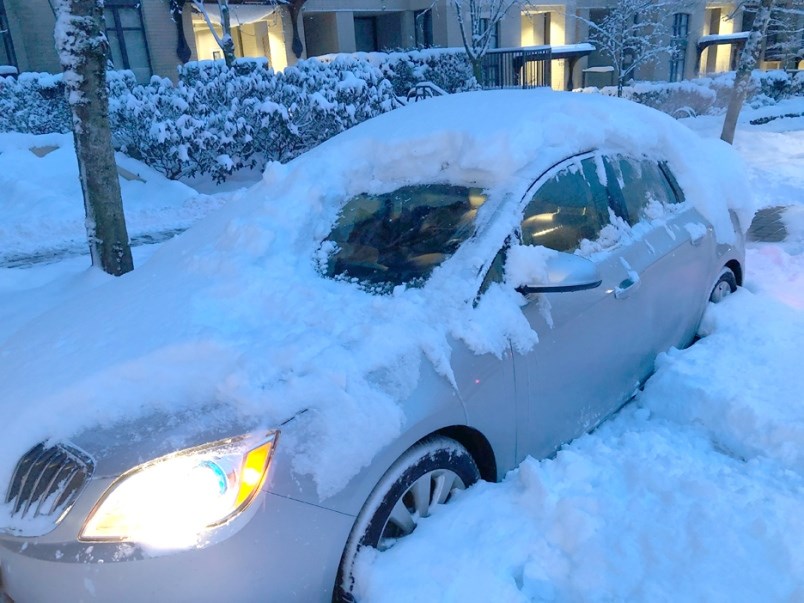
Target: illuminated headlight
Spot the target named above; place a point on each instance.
(173, 500)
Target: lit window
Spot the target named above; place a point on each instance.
(126, 34)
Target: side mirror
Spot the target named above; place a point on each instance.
(535, 269)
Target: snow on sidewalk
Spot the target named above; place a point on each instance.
(41, 207)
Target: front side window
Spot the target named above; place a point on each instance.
(644, 189)
(568, 208)
(126, 35)
(400, 237)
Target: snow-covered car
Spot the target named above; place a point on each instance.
(419, 303)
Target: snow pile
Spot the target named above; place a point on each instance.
(44, 211)
(640, 511)
(235, 311)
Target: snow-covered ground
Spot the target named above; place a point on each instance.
(692, 493)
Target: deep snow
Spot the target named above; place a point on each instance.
(691, 493)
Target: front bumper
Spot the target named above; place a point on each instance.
(288, 551)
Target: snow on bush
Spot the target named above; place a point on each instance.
(447, 68)
(33, 103)
(708, 95)
(216, 120)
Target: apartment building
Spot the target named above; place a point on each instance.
(149, 38)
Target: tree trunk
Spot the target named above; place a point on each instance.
(742, 78)
(477, 70)
(83, 50)
(227, 42)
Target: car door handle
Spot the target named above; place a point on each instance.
(626, 288)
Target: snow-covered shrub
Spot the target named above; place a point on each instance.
(447, 68)
(33, 103)
(708, 95)
(216, 120)
(775, 85)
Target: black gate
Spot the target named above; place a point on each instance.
(516, 67)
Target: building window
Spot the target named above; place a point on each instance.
(681, 31)
(126, 34)
(423, 28)
(7, 56)
(481, 26)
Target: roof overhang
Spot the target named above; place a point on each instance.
(737, 39)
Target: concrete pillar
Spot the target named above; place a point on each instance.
(345, 29)
(278, 47)
(407, 29)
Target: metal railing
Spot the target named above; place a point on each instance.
(516, 67)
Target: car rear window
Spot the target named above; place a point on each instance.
(643, 187)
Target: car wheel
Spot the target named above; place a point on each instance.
(726, 285)
(425, 476)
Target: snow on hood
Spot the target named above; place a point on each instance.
(235, 312)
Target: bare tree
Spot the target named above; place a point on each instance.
(784, 39)
(478, 21)
(83, 51)
(224, 38)
(747, 63)
(635, 33)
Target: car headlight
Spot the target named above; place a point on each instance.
(172, 501)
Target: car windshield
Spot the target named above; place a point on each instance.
(401, 236)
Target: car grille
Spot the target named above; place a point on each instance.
(47, 481)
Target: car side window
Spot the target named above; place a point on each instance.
(569, 207)
(644, 189)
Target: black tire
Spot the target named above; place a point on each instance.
(725, 285)
(430, 462)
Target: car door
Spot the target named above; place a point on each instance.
(672, 250)
(594, 344)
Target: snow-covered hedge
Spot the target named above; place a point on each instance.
(709, 95)
(33, 103)
(447, 68)
(215, 120)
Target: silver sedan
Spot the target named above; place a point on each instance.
(610, 264)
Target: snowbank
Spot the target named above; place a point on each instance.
(41, 205)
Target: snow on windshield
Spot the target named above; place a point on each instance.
(236, 312)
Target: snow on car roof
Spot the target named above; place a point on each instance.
(235, 311)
